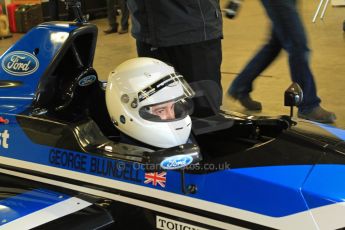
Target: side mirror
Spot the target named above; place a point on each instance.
(293, 96)
(178, 157)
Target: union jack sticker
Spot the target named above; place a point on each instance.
(156, 179)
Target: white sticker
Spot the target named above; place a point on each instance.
(169, 224)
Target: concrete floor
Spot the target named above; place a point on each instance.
(242, 37)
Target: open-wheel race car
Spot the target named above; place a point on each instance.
(66, 164)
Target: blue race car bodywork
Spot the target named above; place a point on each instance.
(252, 172)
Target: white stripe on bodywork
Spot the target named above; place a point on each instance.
(330, 216)
(301, 220)
(139, 203)
(47, 214)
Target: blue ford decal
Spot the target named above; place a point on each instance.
(20, 63)
(176, 162)
(88, 80)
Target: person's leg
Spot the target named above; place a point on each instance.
(54, 10)
(243, 83)
(124, 16)
(200, 62)
(289, 29)
(196, 62)
(146, 50)
(111, 14)
(143, 49)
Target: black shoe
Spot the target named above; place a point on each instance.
(319, 114)
(123, 31)
(247, 102)
(110, 30)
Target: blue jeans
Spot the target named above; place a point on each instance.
(287, 33)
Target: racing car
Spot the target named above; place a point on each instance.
(64, 165)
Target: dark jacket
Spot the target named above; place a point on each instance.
(163, 23)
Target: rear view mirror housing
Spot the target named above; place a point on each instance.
(293, 96)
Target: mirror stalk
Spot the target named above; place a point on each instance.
(190, 189)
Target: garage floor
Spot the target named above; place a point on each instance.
(242, 37)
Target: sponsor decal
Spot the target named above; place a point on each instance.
(176, 162)
(86, 81)
(99, 166)
(169, 224)
(4, 137)
(20, 63)
(156, 179)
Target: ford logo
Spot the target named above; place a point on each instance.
(176, 162)
(88, 80)
(20, 63)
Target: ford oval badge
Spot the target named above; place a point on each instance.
(20, 63)
(176, 162)
(88, 80)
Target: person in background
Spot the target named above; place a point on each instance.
(287, 33)
(54, 10)
(111, 12)
(185, 34)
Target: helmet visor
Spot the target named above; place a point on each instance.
(172, 85)
(166, 100)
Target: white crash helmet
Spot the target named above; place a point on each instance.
(147, 100)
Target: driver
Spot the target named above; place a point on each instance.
(165, 111)
(148, 101)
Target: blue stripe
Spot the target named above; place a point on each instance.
(340, 133)
(273, 191)
(325, 185)
(26, 203)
